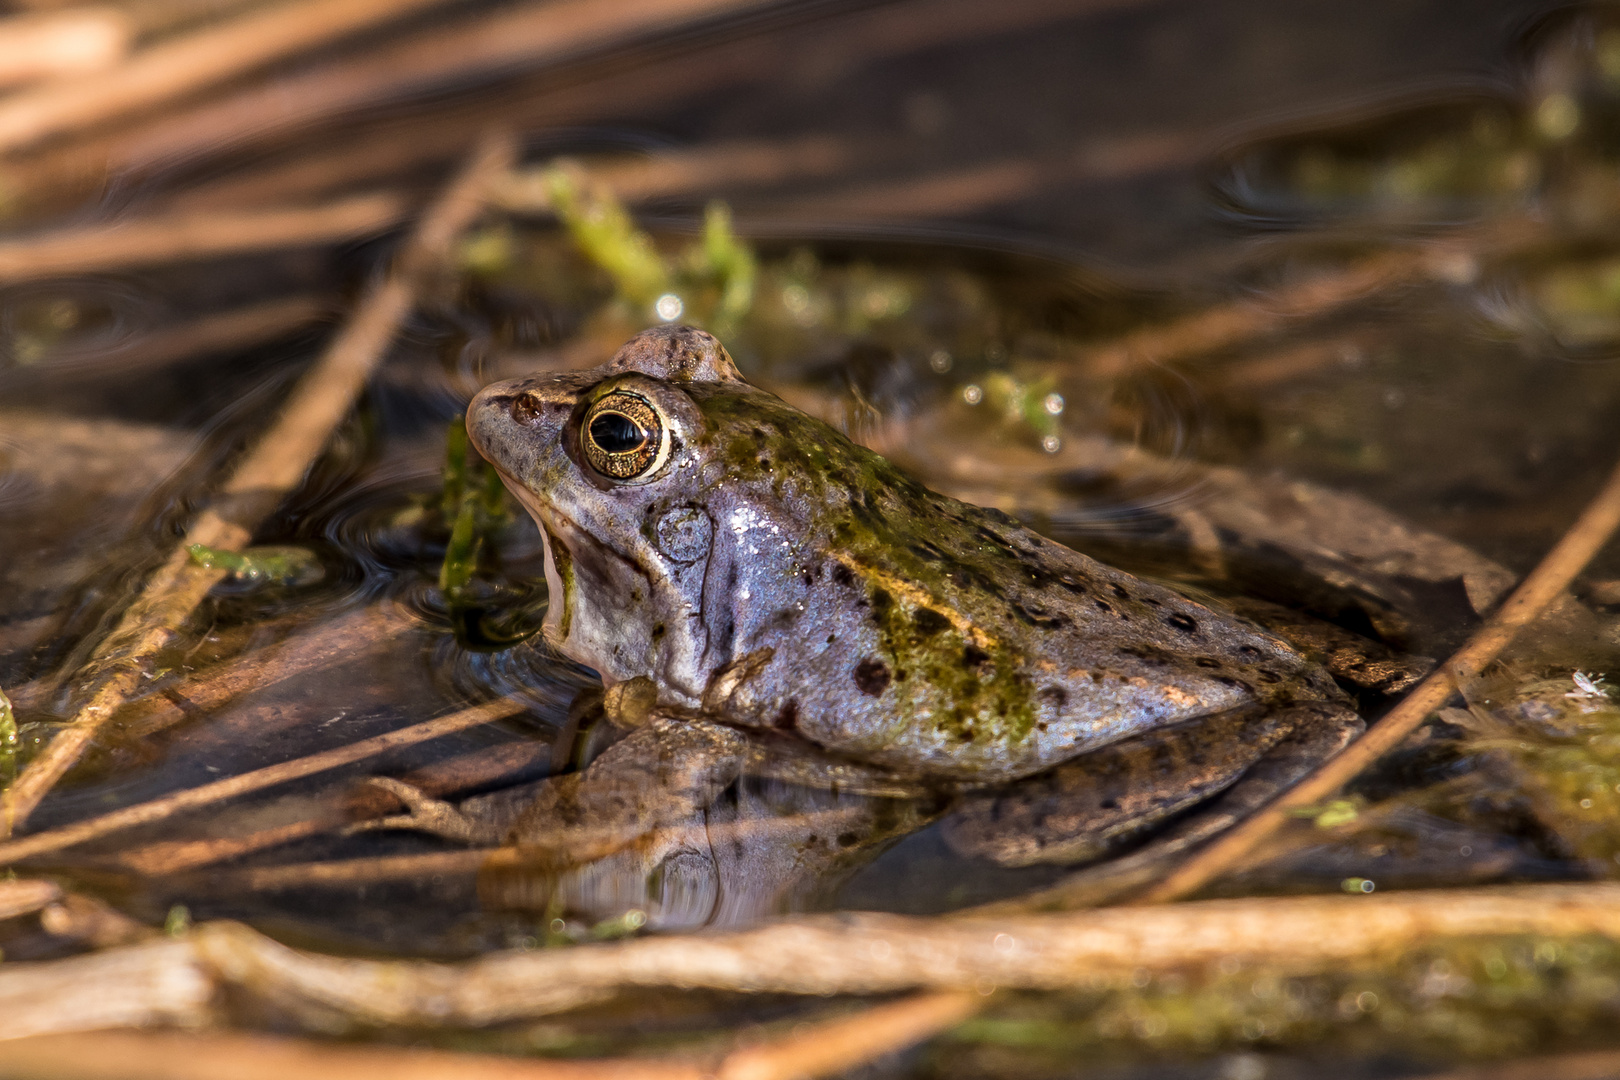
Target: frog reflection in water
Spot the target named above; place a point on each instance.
(754, 587)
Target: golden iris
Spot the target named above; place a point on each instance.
(623, 435)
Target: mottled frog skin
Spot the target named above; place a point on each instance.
(763, 571)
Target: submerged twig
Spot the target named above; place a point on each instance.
(362, 871)
(188, 63)
(442, 778)
(235, 328)
(353, 636)
(1544, 585)
(208, 794)
(813, 1050)
(273, 467)
(376, 868)
(173, 237)
(859, 954)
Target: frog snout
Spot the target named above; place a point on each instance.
(506, 421)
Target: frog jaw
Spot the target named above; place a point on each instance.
(611, 609)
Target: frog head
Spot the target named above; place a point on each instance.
(611, 464)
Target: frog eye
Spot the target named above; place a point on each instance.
(624, 436)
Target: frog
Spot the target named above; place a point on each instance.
(728, 563)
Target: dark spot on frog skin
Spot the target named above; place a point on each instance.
(872, 677)
(1108, 804)
(848, 839)
(843, 574)
(1208, 662)
(882, 603)
(1119, 591)
(1248, 652)
(1105, 607)
(1036, 617)
(974, 657)
(929, 622)
(788, 718)
(995, 540)
(1054, 697)
(1185, 623)
(1266, 675)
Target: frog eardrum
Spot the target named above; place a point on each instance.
(623, 436)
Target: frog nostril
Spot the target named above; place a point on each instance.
(526, 408)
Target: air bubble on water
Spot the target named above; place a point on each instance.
(972, 393)
(1053, 404)
(1051, 444)
(669, 307)
(940, 361)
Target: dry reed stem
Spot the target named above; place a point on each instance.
(363, 871)
(443, 778)
(175, 1056)
(815, 1050)
(353, 636)
(25, 895)
(92, 922)
(157, 809)
(178, 856)
(1590, 532)
(188, 63)
(850, 954)
(377, 868)
(1593, 1065)
(300, 104)
(174, 237)
(839, 1045)
(52, 45)
(528, 36)
(276, 464)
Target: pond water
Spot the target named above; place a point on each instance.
(1353, 358)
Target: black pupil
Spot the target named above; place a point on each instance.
(616, 433)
